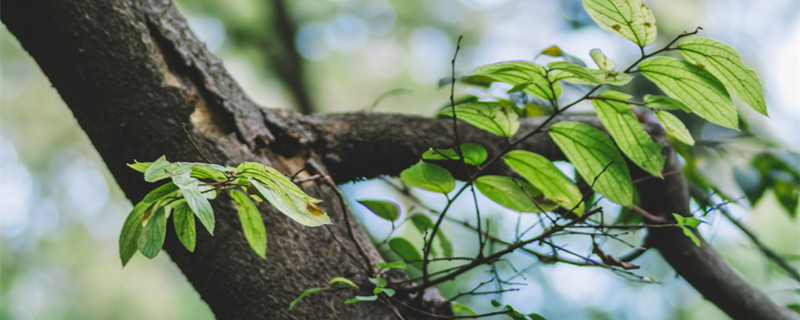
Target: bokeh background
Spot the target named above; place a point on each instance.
(61, 212)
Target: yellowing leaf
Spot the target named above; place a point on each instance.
(602, 61)
(630, 19)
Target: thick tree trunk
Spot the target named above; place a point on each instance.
(141, 85)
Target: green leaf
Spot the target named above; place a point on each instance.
(552, 51)
(630, 19)
(190, 188)
(665, 103)
(445, 244)
(167, 189)
(727, 65)
(387, 291)
(406, 250)
(570, 72)
(674, 127)
(544, 175)
(153, 233)
(422, 222)
(684, 223)
(362, 298)
(378, 282)
(474, 154)
(303, 295)
(183, 219)
(282, 194)
(162, 169)
(131, 229)
(385, 209)
(603, 62)
(342, 281)
(693, 86)
(209, 171)
(460, 308)
(515, 194)
(590, 151)
(252, 224)
(525, 74)
(626, 130)
(429, 177)
(490, 116)
(139, 166)
(401, 265)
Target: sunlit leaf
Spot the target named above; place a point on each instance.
(490, 116)
(570, 72)
(429, 177)
(162, 169)
(674, 127)
(552, 51)
(342, 281)
(544, 175)
(727, 65)
(629, 134)
(295, 207)
(684, 223)
(596, 159)
(153, 234)
(665, 103)
(131, 229)
(209, 171)
(460, 308)
(385, 209)
(303, 295)
(515, 194)
(407, 251)
(183, 219)
(252, 225)
(694, 86)
(523, 74)
(474, 154)
(630, 19)
(603, 62)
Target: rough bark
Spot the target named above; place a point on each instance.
(141, 85)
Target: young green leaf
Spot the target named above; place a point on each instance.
(445, 244)
(515, 194)
(303, 295)
(406, 250)
(131, 229)
(665, 103)
(460, 308)
(603, 62)
(183, 219)
(342, 281)
(209, 171)
(139, 166)
(674, 127)
(490, 116)
(392, 265)
(162, 169)
(422, 222)
(523, 74)
(252, 225)
(362, 298)
(626, 130)
(630, 19)
(378, 282)
(595, 157)
(190, 188)
(570, 72)
(727, 65)
(153, 233)
(474, 154)
(684, 223)
(544, 175)
(694, 86)
(385, 209)
(429, 177)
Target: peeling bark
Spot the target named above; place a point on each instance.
(141, 85)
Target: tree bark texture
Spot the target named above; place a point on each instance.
(141, 85)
